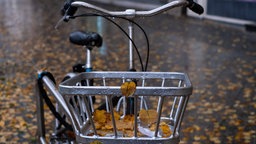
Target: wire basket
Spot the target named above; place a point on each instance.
(162, 95)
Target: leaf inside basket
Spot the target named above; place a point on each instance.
(128, 88)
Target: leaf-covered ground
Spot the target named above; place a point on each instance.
(219, 58)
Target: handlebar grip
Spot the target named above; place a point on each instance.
(195, 7)
(68, 9)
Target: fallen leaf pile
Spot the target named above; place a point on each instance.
(148, 118)
(104, 125)
(164, 129)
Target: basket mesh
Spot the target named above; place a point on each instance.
(164, 93)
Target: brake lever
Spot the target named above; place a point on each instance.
(67, 11)
(59, 22)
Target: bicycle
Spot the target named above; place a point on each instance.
(130, 92)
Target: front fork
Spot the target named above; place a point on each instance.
(40, 116)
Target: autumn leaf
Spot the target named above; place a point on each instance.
(96, 142)
(128, 88)
(148, 117)
(100, 116)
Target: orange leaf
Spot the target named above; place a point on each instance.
(128, 88)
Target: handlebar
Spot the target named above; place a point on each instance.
(132, 12)
(71, 6)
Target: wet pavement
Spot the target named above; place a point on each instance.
(219, 58)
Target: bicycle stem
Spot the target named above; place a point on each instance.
(131, 53)
(88, 64)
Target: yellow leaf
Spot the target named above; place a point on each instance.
(100, 116)
(165, 129)
(128, 88)
(2, 124)
(148, 116)
(96, 142)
